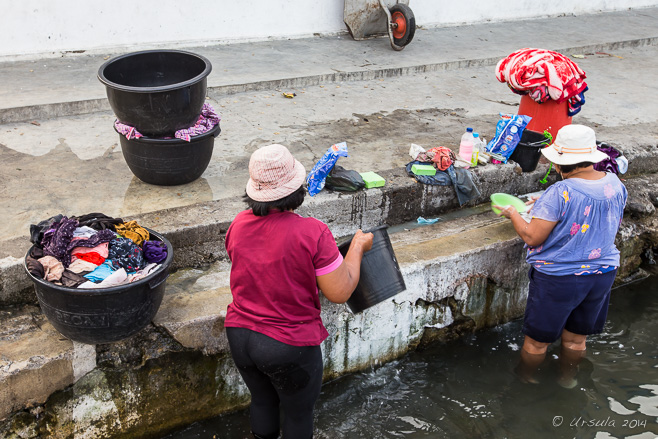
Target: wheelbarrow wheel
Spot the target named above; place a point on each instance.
(403, 24)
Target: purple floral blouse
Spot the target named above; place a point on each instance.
(588, 215)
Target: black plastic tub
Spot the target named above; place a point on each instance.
(169, 162)
(104, 315)
(381, 277)
(156, 91)
(528, 151)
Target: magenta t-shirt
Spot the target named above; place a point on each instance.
(275, 260)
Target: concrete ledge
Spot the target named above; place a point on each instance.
(91, 99)
(463, 272)
(197, 232)
(36, 360)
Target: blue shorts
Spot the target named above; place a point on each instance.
(578, 304)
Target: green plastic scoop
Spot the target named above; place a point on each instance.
(501, 199)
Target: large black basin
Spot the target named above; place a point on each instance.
(169, 162)
(104, 315)
(156, 91)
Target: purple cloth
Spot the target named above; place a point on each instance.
(206, 122)
(609, 164)
(154, 251)
(127, 130)
(56, 240)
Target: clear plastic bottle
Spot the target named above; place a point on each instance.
(476, 149)
(466, 145)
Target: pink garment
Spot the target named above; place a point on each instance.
(542, 73)
(206, 121)
(81, 266)
(52, 268)
(102, 249)
(275, 261)
(141, 274)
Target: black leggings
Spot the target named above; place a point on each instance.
(278, 374)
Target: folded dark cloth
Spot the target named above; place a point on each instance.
(37, 230)
(33, 265)
(71, 279)
(98, 221)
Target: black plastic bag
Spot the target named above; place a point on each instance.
(341, 179)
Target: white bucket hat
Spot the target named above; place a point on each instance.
(274, 174)
(574, 144)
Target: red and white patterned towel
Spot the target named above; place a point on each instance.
(542, 74)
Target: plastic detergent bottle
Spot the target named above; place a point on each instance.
(476, 149)
(466, 145)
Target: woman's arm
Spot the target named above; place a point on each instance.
(533, 233)
(339, 285)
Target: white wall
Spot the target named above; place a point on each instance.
(33, 28)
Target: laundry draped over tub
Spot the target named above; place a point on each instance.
(543, 75)
(92, 251)
(206, 122)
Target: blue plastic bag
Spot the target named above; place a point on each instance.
(508, 134)
(316, 178)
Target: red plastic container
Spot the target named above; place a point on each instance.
(550, 115)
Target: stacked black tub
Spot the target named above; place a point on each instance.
(159, 92)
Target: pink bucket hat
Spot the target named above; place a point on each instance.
(274, 173)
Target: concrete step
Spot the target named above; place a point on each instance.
(462, 273)
(73, 165)
(68, 85)
(436, 260)
(36, 360)
(197, 233)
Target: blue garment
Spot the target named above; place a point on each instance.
(101, 272)
(588, 214)
(460, 178)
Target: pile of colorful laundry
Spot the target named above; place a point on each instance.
(92, 251)
(543, 75)
(206, 122)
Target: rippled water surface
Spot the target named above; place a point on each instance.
(466, 389)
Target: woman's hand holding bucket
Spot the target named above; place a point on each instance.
(339, 285)
(361, 242)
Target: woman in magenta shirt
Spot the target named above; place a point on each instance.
(279, 259)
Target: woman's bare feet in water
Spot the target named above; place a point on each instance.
(528, 365)
(569, 361)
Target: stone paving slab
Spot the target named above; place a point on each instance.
(56, 87)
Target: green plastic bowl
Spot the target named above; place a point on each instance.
(500, 199)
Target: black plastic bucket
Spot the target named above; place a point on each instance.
(156, 91)
(169, 162)
(104, 315)
(528, 151)
(380, 273)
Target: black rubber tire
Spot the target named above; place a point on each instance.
(411, 24)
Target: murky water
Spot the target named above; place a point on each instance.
(466, 389)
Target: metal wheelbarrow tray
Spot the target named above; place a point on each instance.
(367, 18)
